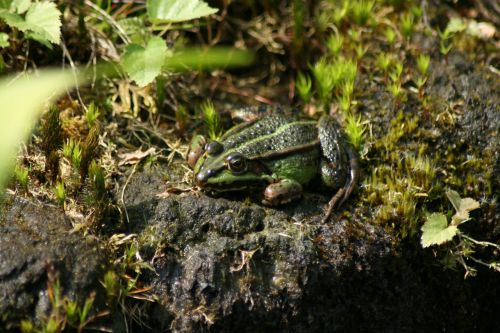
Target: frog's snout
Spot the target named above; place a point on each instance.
(202, 177)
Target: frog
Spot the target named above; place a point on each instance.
(277, 154)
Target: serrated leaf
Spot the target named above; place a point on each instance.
(20, 6)
(43, 18)
(178, 10)
(436, 230)
(4, 39)
(143, 65)
(462, 207)
(468, 204)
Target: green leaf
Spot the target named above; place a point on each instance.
(4, 39)
(20, 6)
(44, 19)
(13, 20)
(22, 101)
(134, 28)
(143, 65)
(462, 207)
(468, 204)
(436, 231)
(178, 10)
(454, 198)
(5, 4)
(39, 38)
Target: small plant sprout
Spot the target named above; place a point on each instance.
(344, 103)
(417, 11)
(407, 24)
(60, 192)
(334, 44)
(390, 35)
(92, 114)
(383, 62)
(354, 34)
(21, 174)
(340, 12)
(212, 120)
(78, 317)
(345, 99)
(355, 131)
(303, 85)
(423, 62)
(322, 72)
(76, 155)
(420, 82)
(72, 150)
(111, 284)
(349, 69)
(395, 89)
(322, 20)
(68, 147)
(445, 45)
(360, 11)
(395, 74)
(360, 50)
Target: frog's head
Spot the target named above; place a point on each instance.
(219, 170)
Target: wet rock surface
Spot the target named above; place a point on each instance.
(36, 239)
(227, 265)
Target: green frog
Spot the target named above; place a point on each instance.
(277, 154)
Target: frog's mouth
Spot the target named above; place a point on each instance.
(226, 181)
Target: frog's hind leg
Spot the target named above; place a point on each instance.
(339, 167)
(352, 180)
(344, 192)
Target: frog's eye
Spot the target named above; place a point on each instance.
(236, 163)
(214, 148)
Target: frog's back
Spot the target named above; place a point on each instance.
(246, 132)
(272, 137)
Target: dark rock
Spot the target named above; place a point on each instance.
(228, 266)
(36, 239)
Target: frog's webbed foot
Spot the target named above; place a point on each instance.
(344, 192)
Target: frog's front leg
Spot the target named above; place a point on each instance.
(281, 192)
